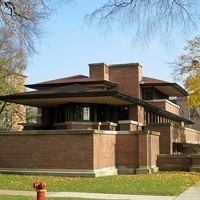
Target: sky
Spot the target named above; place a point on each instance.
(69, 45)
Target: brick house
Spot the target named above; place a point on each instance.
(112, 121)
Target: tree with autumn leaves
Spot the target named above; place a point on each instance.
(187, 69)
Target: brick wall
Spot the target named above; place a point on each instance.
(77, 149)
(99, 70)
(165, 137)
(104, 151)
(173, 162)
(154, 151)
(192, 136)
(127, 150)
(148, 149)
(137, 149)
(166, 105)
(46, 151)
(136, 113)
(171, 133)
(179, 162)
(128, 76)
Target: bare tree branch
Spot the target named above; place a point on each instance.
(148, 18)
(25, 19)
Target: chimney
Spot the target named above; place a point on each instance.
(129, 77)
(99, 70)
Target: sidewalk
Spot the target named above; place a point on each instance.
(192, 193)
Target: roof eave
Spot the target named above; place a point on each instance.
(107, 83)
(116, 94)
(174, 85)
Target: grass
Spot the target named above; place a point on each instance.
(162, 183)
(33, 198)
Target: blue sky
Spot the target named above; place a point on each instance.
(69, 45)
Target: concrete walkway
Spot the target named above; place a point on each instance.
(192, 193)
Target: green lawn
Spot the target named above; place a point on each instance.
(162, 183)
(33, 198)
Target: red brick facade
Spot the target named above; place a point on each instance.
(82, 153)
(179, 163)
(115, 119)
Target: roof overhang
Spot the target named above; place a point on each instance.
(53, 102)
(99, 97)
(50, 100)
(97, 83)
(170, 89)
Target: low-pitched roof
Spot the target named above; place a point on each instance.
(82, 94)
(82, 79)
(170, 89)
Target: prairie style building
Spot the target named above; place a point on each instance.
(112, 121)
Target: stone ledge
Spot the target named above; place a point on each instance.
(195, 169)
(62, 172)
(179, 156)
(57, 132)
(147, 170)
(139, 132)
(126, 169)
(130, 122)
(76, 123)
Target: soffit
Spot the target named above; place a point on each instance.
(170, 89)
(53, 102)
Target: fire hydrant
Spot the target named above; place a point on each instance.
(41, 189)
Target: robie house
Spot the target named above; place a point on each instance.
(114, 121)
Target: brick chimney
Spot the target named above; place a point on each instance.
(99, 70)
(129, 77)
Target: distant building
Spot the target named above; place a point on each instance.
(13, 114)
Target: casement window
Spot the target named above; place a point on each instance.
(81, 113)
(152, 93)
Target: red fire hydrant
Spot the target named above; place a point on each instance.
(41, 189)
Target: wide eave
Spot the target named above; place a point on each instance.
(170, 89)
(82, 94)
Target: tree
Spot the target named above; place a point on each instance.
(13, 62)
(147, 18)
(24, 19)
(13, 59)
(187, 69)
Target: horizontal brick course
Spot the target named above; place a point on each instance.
(71, 151)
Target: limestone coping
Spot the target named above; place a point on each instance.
(179, 155)
(76, 123)
(85, 123)
(108, 123)
(164, 100)
(130, 122)
(149, 132)
(76, 131)
(31, 124)
(57, 132)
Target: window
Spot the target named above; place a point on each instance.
(82, 113)
(152, 93)
(177, 148)
(123, 112)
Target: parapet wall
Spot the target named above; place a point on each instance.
(179, 162)
(78, 152)
(171, 133)
(75, 152)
